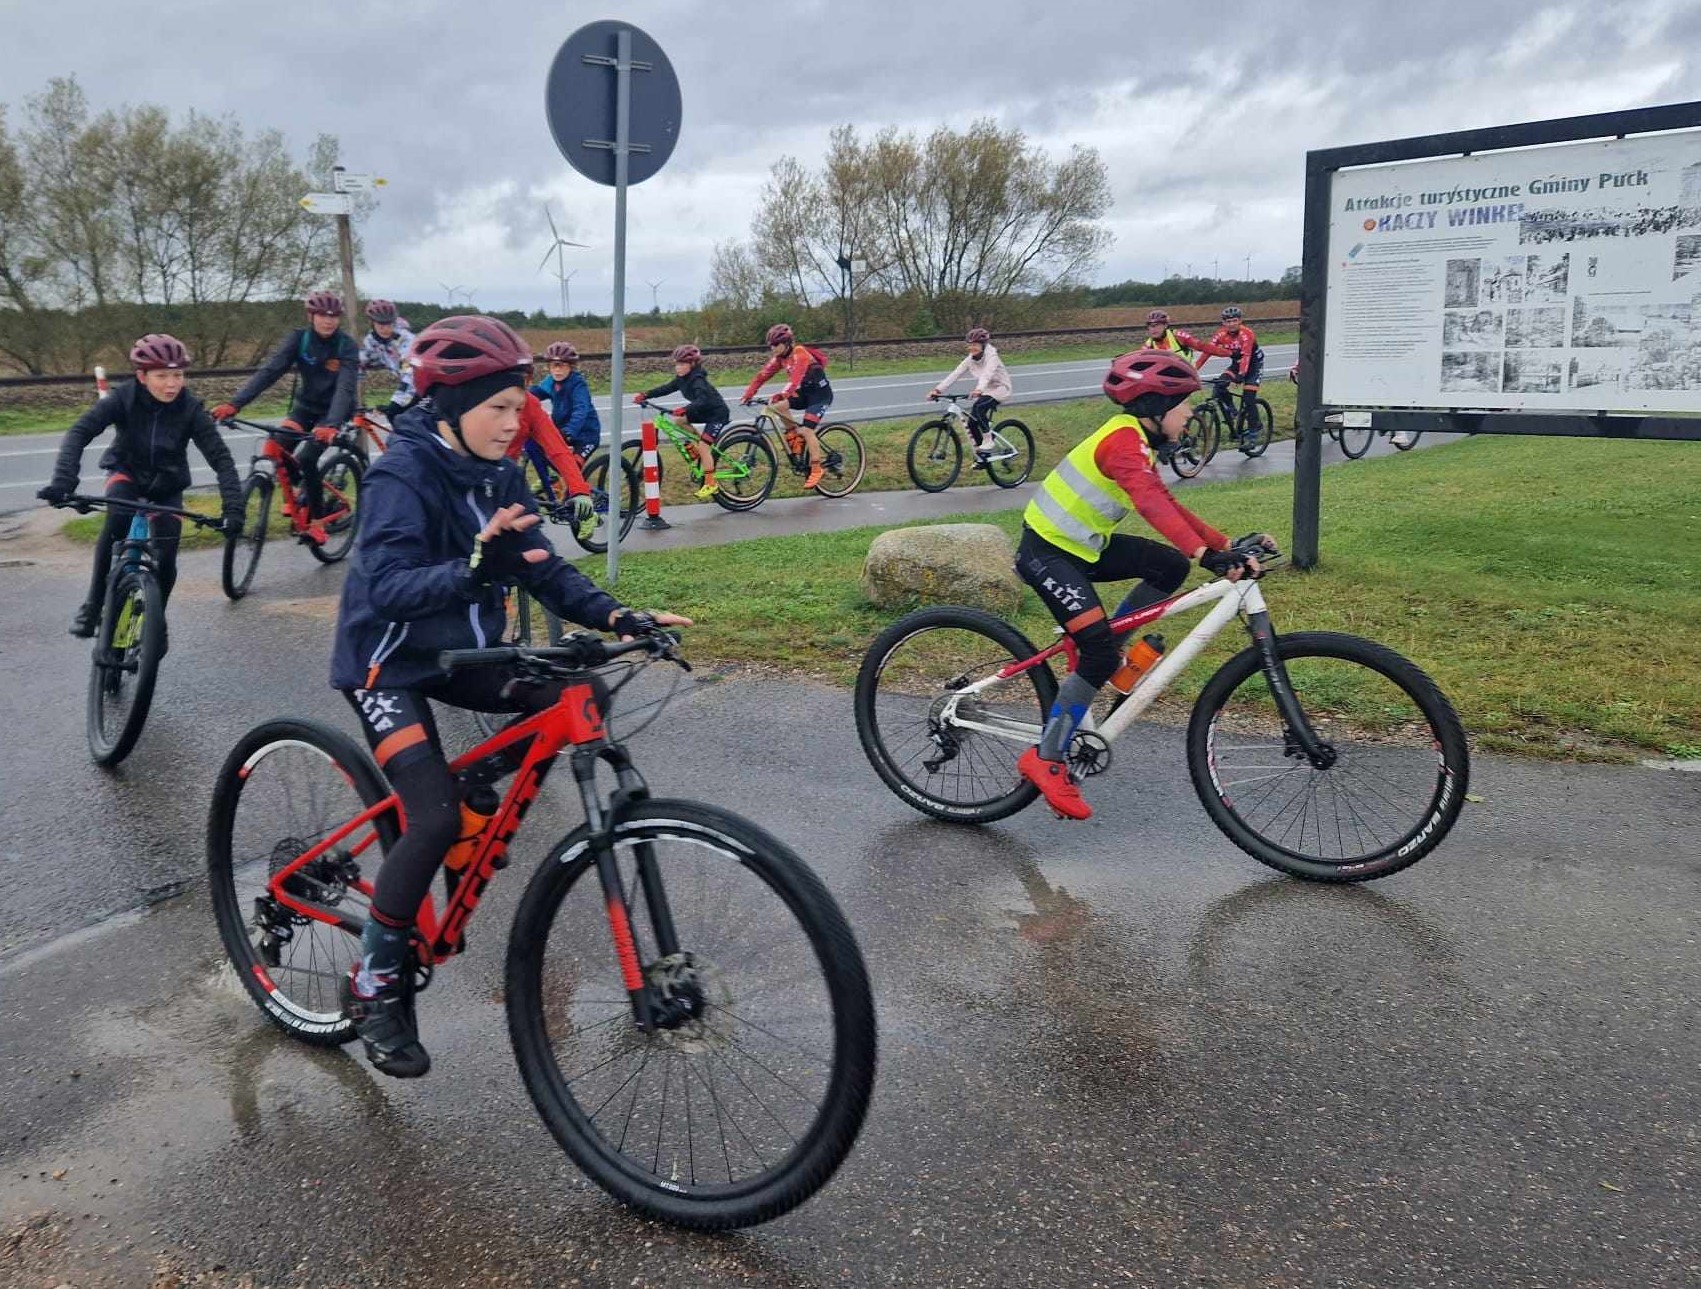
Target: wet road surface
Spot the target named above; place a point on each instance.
(1112, 1053)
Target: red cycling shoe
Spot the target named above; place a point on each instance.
(1056, 785)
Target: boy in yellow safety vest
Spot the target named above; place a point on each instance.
(1069, 541)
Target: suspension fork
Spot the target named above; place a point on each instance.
(1319, 752)
(630, 788)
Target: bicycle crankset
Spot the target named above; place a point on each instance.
(1089, 754)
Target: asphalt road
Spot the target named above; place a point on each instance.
(26, 460)
(1117, 1053)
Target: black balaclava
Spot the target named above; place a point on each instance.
(454, 401)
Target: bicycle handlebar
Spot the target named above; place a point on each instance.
(83, 504)
(580, 651)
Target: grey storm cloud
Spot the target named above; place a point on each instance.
(1203, 115)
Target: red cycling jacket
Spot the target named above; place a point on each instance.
(1185, 343)
(797, 367)
(537, 425)
(1246, 340)
(1124, 456)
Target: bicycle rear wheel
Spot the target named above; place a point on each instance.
(935, 456)
(1354, 442)
(1407, 443)
(842, 459)
(739, 1105)
(744, 469)
(1256, 438)
(595, 540)
(1012, 459)
(340, 472)
(1392, 790)
(242, 554)
(926, 750)
(284, 787)
(125, 665)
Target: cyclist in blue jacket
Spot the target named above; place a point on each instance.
(568, 397)
(446, 524)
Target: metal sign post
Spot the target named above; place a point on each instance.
(616, 135)
(339, 203)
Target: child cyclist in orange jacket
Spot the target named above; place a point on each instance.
(806, 387)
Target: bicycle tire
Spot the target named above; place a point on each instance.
(1354, 442)
(340, 471)
(1409, 444)
(112, 735)
(1442, 743)
(596, 475)
(1197, 444)
(1005, 474)
(838, 441)
(540, 996)
(1256, 445)
(881, 738)
(747, 460)
(1213, 431)
(946, 446)
(242, 554)
(349, 766)
(539, 487)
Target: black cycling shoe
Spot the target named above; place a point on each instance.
(86, 622)
(386, 1025)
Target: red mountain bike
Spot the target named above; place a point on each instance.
(689, 1009)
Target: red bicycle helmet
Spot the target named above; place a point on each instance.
(1149, 371)
(157, 351)
(560, 351)
(1157, 316)
(381, 311)
(452, 351)
(328, 303)
(780, 334)
(977, 336)
(688, 354)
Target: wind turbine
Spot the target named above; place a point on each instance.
(453, 291)
(655, 297)
(556, 248)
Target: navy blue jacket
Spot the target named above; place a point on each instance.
(571, 409)
(327, 371)
(409, 591)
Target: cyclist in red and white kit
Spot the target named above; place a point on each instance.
(1246, 366)
(1190, 349)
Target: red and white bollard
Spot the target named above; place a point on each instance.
(101, 389)
(652, 480)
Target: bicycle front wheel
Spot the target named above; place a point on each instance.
(595, 538)
(1197, 444)
(1397, 772)
(127, 651)
(285, 786)
(242, 554)
(1254, 439)
(935, 456)
(340, 472)
(744, 469)
(1012, 458)
(843, 460)
(739, 1103)
(951, 756)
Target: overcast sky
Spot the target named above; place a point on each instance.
(1202, 113)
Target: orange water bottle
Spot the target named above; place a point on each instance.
(477, 807)
(1137, 662)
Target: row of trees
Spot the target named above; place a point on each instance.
(125, 220)
(1176, 289)
(956, 228)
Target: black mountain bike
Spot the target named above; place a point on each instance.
(936, 449)
(1248, 429)
(131, 639)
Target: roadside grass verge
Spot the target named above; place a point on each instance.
(27, 418)
(1544, 587)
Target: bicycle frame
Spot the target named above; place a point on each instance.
(1229, 600)
(1003, 449)
(272, 453)
(576, 721)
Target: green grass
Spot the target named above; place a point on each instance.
(1544, 585)
(29, 419)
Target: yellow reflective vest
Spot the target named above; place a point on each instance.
(1078, 506)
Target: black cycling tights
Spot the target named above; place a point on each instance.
(402, 731)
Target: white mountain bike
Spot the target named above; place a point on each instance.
(1327, 756)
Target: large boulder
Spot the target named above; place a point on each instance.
(943, 564)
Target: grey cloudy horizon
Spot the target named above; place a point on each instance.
(1202, 115)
